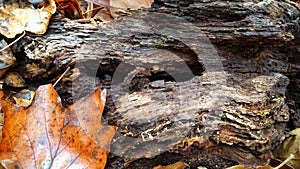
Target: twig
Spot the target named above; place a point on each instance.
(61, 76)
(285, 161)
(13, 42)
(90, 10)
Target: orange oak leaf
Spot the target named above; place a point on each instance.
(46, 135)
(70, 8)
(67, 8)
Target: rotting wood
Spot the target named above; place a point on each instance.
(240, 112)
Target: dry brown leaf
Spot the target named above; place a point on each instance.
(15, 19)
(45, 135)
(24, 98)
(238, 167)
(104, 3)
(274, 164)
(130, 4)
(267, 166)
(290, 146)
(177, 165)
(69, 8)
(118, 7)
(14, 79)
(1, 124)
(104, 16)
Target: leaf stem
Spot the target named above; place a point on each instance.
(291, 156)
(61, 76)
(13, 42)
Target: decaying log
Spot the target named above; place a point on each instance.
(237, 21)
(173, 94)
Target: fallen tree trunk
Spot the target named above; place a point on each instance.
(173, 94)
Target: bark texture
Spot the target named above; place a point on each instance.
(213, 91)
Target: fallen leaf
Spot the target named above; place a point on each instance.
(238, 167)
(89, 118)
(104, 3)
(103, 15)
(267, 166)
(24, 97)
(177, 165)
(20, 16)
(45, 135)
(130, 4)
(290, 146)
(201, 167)
(6, 58)
(69, 8)
(118, 7)
(274, 164)
(243, 167)
(13, 79)
(1, 124)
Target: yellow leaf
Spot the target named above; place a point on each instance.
(178, 165)
(290, 146)
(16, 20)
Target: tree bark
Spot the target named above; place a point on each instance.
(211, 91)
